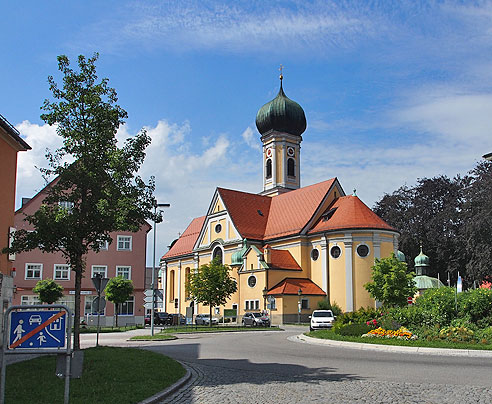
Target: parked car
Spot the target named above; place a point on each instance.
(321, 319)
(162, 318)
(204, 319)
(256, 319)
(147, 319)
(177, 319)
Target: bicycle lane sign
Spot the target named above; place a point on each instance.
(37, 329)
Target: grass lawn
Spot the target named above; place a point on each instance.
(93, 329)
(329, 334)
(200, 329)
(110, 375)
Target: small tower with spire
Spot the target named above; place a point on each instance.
(281, 123)
(421, 263)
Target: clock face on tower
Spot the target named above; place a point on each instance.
(290, 151)
(269, 152)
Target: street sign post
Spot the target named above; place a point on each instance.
(37, 329)
(100, 284)
(409, 300)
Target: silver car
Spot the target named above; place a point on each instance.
(204, 319)
(256, 320)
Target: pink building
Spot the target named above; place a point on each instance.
(124, 256)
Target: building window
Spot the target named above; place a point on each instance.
(252, 305)
(124, 272)
(314, 254)
(218, 254)
(362, 250)
(103, 245)
(268, 168)
(291, 168)
(252, 281)
(69, 301)
(61, 272)
(29, 300)
(124, 243)
(99, 269)
(304, 304)
(335, 251)
(126, 309)
(218, 228)
(273, 303)
(34, 271)
(68, 206)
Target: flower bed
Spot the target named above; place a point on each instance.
(401, 333)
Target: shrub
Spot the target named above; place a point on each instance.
(475, 303)
(336, 309)
(326, 305)
(353, 330)
(457, 334)
(410, 316)
(485, 335)
(358, 317)
(438, 306)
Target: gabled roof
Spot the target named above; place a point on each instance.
(282, 259)
(290, 212)
(349, 212)
(290, 286)
(184, 244)
(248, 212)
(14, 135)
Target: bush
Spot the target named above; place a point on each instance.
(353, 330)
(476, 304)
(409, 317)
(326, 305)
(457, 334)
(438, 306)
(485, 335)
(358, 317)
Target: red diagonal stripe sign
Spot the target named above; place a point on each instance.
(38, 328)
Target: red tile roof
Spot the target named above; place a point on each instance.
(185, 243)
(248, 212)
(350, 213)
(282, 259)
(290, 286)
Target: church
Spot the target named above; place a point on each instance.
(288, 246)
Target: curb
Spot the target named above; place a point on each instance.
(471, 353)
(170, 390)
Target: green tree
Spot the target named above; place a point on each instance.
(211, 285)
(94, 178)
(118, 291)
(392, 282)
(48, 291)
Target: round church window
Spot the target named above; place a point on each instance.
(335, 251)
(314, 254)
(252, 281)
(218, 228)
(362, 250)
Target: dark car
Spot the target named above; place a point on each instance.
(162, 318)
(177, 319)
(256, 319)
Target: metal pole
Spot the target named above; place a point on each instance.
(153, 276)
(68, 358)
(98, 315)
(6, 329)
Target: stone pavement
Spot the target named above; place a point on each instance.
(215, 384)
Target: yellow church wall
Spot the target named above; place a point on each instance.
(251, 293)
(387, 248)
(315, 267)
(362, 275)
(218, 206)
(205, 238)
(232, 233)
(279, 164)
(251, 260)
(337, 276)
(222, 233)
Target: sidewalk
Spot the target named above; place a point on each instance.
(472, 353)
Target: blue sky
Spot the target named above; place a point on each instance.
(392, 90)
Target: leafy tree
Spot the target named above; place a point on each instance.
(118, 291)
(211, 285)
(392, 282)
(48, 291)
(99, 188)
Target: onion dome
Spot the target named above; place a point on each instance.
(421, 263)
(400, 256)
(282, 115)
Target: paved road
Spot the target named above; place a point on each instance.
(266, 367)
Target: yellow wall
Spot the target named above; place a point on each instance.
(362, 275)
(232, 233)
(205, 238)
(218, 206)
(337, 276)
(316, 267)
(222, 234)
(280, 160)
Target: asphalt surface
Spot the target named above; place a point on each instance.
(278, 367)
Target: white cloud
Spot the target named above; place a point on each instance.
(250, 138)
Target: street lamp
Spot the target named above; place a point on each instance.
(156, 205)
(299, 306)
(265, 291)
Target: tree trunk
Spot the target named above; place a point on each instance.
(76, 320)
(116, 312)
(210, 322)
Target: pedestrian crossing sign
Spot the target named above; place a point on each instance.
(41, 329)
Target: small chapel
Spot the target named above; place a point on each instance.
(288, 246)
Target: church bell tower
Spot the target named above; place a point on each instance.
(281, 123)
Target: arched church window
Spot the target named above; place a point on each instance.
(291, 168)
(217, 254)
(269, 168)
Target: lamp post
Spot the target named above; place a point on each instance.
(156, 205)
(299, 306)
(265, 291)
